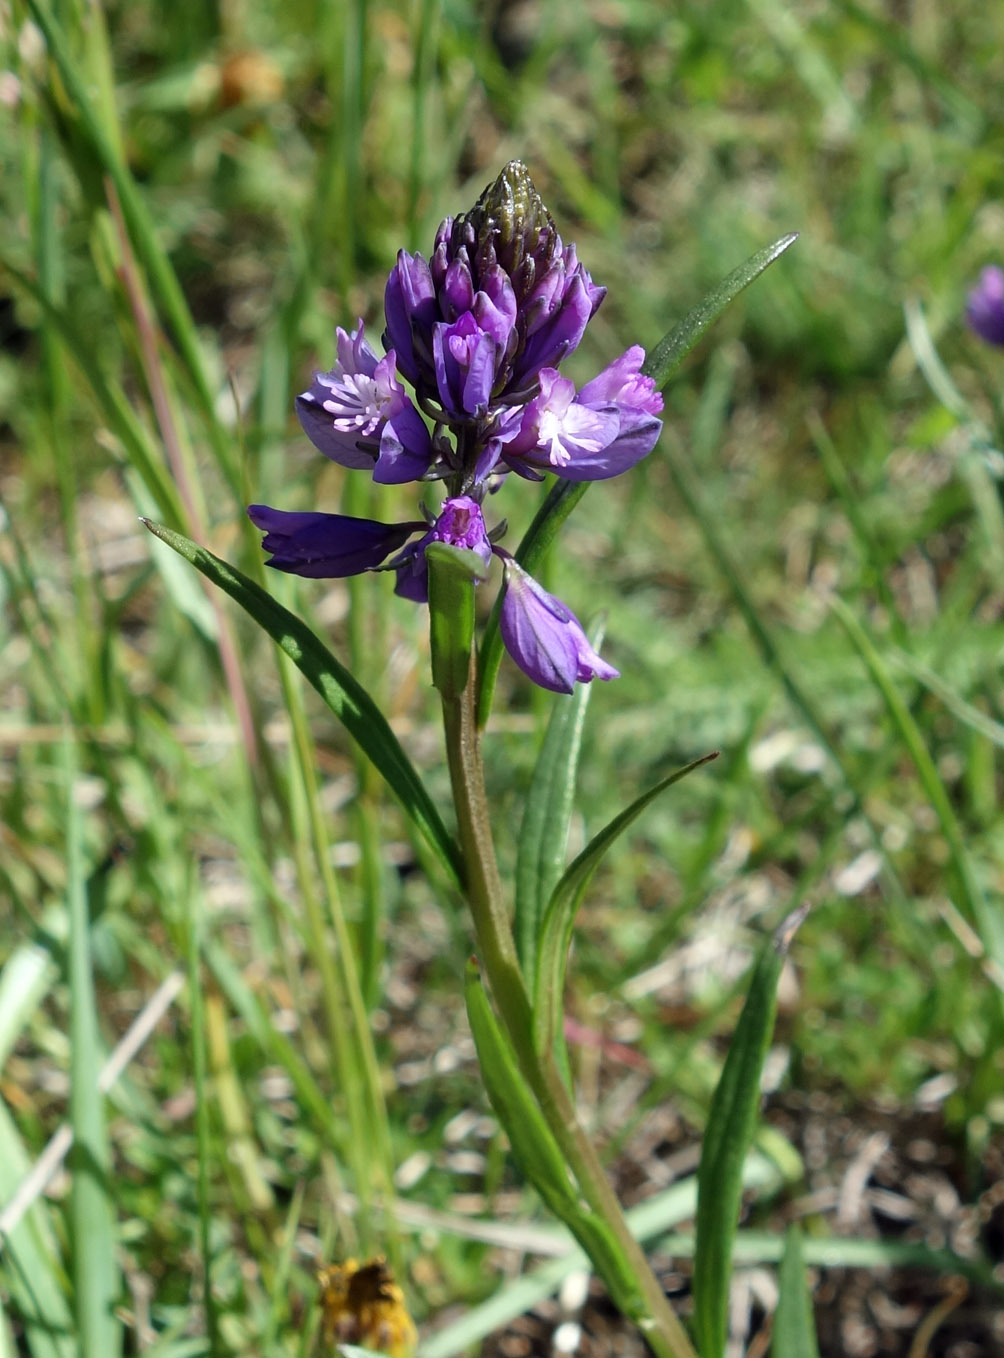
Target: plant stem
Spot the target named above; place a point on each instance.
(662, 1330)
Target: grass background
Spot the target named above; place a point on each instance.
(190, 203)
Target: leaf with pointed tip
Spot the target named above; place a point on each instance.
(547, 812)
(559, 919)
(674, 347)
(727, 1140)
(794, 1332)
(345, 696)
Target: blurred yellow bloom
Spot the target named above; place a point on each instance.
(363, 1305)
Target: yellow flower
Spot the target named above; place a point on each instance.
(363, 1305)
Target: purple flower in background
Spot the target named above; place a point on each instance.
(478, 331)
(985, 309)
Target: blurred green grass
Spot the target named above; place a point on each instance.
(269, 161)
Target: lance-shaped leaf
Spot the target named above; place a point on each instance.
(794, 1333)
(727, 1139)
(537, 1152)
(345, 696)
(674, 347)
(559, 919)
(543, 835)
(453, 572)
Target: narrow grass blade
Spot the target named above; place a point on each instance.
(971, 898)
(346, 698)
(794, 1329)
(92, 124)
(771, 650)
(92, 1218)
(559, 919)
(31, 1272)
(727, 1139)
(274, 1043)
(543, 835)
(674, 347)
(24, 981)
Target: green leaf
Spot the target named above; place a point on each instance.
(32, 1273)
(727, 1139)
(537, 1152)
(559, 920)
(345, 696)
(673, 348)
(453, 572)
(543, 836)
(794, 1334)
(92, 1212)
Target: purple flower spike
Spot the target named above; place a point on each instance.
(327, 546)
(359, 415)
(461, 524)
(544, 637)
(985, 312)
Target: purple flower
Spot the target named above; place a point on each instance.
(460, 524)
(359, 415)
(544, 637)
(594, 434)
(503, 265)
(478, 331)
(327, 546)
(985, 311)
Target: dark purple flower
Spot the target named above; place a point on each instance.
(327, 546)
(544, 637)
(359, 415)
(464, 357)
(594, 434)
(461, 524)
(503, 265)
(985, 311)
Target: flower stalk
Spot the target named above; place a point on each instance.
(449, 583)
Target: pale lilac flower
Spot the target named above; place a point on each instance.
(360, 416)
(594, 434)
(985, 310)
(544, 637)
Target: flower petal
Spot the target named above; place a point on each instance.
(326, 546)
(985, 310)
(545, 638)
